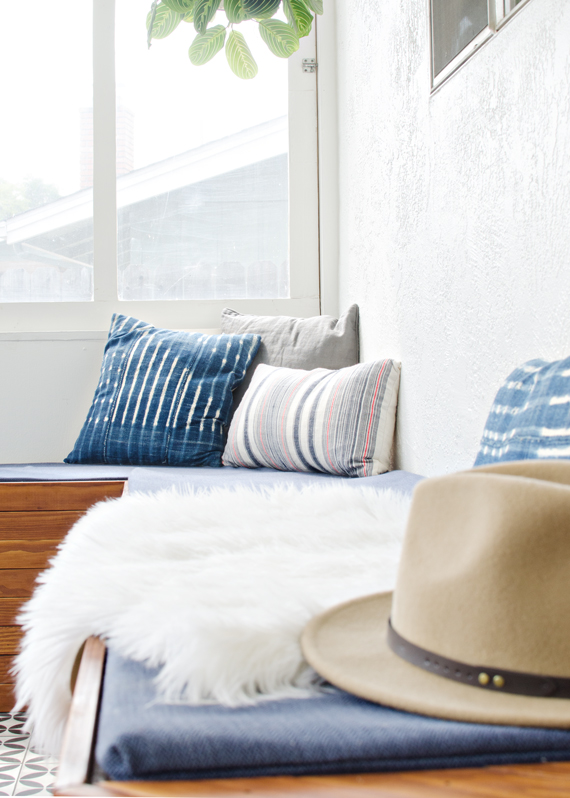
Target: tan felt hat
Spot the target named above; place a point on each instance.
(478, 626)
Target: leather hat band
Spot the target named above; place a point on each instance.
(487, 678)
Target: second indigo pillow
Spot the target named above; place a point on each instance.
(163, 397)
(530, 416)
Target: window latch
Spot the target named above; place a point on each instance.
(309, 64)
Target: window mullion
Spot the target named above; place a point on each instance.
(104, 153)
(303, 171)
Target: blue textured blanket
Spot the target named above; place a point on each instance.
(331, 733)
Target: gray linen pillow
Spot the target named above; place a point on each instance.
(316, 342)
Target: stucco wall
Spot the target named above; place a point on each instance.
(455, 212)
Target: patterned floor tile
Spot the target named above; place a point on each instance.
(11, 763)
(22, 770)
(11, 724)
(14, 745)
(37, 776)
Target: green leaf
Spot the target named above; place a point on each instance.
(299, 16)
(206, 45)
(204, 12)
(279, 37)
(261, 9)
(239, 56)
(315, 5)
(235, 12)
(189, 17)
(180, 6)
(165, 21)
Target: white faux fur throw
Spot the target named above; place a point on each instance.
(214, 586)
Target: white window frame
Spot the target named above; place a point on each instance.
(500, 12)
(304, 244)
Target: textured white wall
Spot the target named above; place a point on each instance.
(455, 213)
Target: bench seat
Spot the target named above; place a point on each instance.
(139, 738)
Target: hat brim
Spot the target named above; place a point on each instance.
(347, 646)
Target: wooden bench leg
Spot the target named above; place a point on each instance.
(76, 760)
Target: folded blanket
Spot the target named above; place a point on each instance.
(211, 588)
(332, 732)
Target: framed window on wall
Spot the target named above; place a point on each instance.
(141, 184)
(459, 27)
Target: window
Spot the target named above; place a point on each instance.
(459, 27)
(174, 189)
(42, 151)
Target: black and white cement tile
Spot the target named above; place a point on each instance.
(22, 770)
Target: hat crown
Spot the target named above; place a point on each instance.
(485, 571)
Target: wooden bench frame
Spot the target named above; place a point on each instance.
(75, 775)
(34, 519)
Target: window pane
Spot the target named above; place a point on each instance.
(510, 5)
(202, 165)
(46, 230)
(455, 23)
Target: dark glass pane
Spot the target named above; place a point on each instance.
(455, 23)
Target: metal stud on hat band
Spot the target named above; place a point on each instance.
(496, 679)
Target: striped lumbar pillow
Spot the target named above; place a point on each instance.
(164, 396)
(341, 422)
(530, 417)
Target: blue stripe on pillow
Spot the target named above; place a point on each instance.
(530, 417)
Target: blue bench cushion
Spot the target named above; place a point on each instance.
(61, 472)
(152, 479)
(330, 733)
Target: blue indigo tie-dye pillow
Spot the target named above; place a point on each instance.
(164, 396)
(530, 417)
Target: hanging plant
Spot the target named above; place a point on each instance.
(282, 38)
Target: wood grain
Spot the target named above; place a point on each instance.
(5, 665)
(7, 699)
(508, 781)
(34, 496)
(17, 582)
(27, 553)
(76, 753)
(34, 518)
(9, 608)
(84, 789)
(10, 637)
(52, 525)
